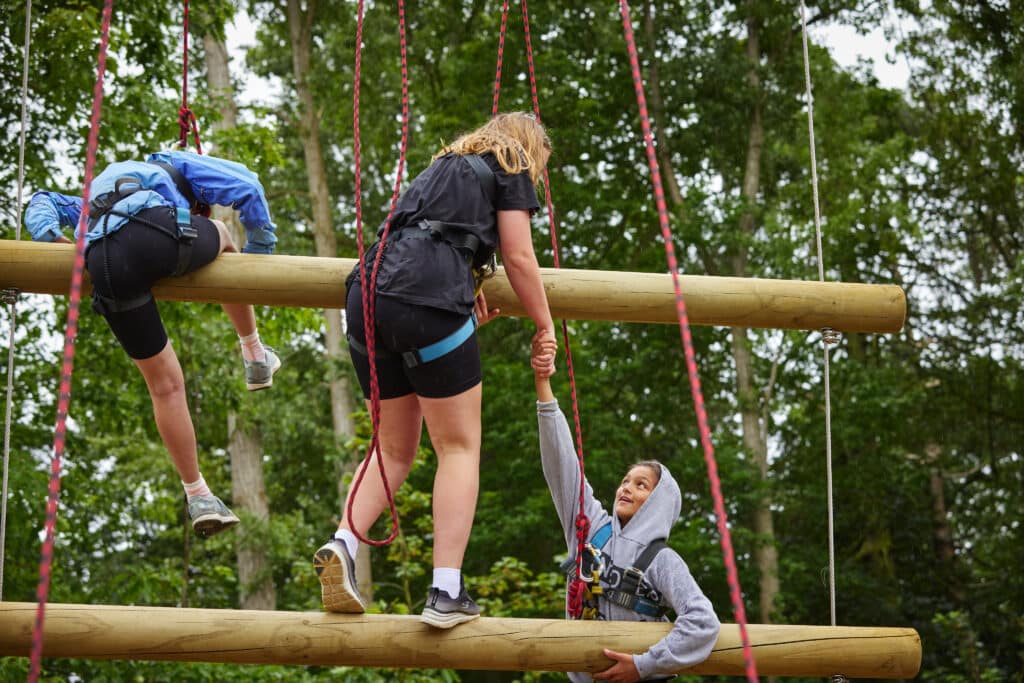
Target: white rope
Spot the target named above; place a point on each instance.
(828, 335)
(11, 296)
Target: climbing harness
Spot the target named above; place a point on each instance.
(197, 207)
(428, 353)
(102, 208)
(463, 241)
(484, 263)
(621, 586)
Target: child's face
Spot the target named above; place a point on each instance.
(636, 486)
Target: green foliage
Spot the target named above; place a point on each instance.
(921, 188)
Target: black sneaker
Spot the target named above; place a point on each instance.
(337, 573)
(444, 611)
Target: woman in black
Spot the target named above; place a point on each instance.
(476, 198)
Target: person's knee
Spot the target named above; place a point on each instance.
(226, 242)
(167, 386)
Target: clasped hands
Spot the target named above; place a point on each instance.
(543, 346)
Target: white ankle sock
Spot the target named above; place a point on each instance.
(350, 541)
(196, 488)
(449, 580)
(252, 348)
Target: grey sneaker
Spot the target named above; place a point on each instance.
(337, 574)
(260, 374)
(443, 611)
(210, 515)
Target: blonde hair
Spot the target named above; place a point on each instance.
(516, 139)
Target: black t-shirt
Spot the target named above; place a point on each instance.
(432, 272)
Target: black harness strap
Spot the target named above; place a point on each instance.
(625, 595)
(184, 187)
(452, 234)
(485, 174)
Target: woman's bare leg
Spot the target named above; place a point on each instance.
(166, 385)
(401, 424)
(242, 316)
(454, 427)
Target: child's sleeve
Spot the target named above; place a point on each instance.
(695, 632)
(48, 213)
(562, 472)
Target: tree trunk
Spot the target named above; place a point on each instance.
(245, 443)
(668, 174)
(300, 31)
(256, 586)
(754, 436)
(942, 532)
(754, 432)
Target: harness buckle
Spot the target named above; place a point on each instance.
(186, 232)
(411, 358)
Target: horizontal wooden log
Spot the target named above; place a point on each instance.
(319, 282)
(381, 640)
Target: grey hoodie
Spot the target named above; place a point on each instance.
(667, 579)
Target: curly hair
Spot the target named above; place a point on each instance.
(517, 140)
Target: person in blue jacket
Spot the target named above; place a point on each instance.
(147, 221)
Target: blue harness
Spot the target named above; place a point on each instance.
(428, 353)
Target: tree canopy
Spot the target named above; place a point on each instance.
(920, 187)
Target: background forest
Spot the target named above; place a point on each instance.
(920, 187)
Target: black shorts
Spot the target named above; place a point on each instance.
(405, 327)
(125, 264)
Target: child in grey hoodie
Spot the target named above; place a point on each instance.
(647, 504)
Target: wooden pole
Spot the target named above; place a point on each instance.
(381, 640)
(573, 294)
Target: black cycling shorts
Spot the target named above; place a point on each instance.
(126, 263)
(404, 327)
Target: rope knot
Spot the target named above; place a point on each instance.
(10, 295)
(574, 605)
(582, 527)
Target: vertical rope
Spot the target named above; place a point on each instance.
(828, 335)
(501, 54)
(368, 285)
(691, 362)
(578, 587)
(186, 118)
(11, 295)
(71, 331)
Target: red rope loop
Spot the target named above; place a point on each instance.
(691, 361)
(186, 123)
(68, 364)
(186, 119)
(369, 288)
(574, 600)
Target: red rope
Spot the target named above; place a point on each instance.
(70, 332)
(501, 55)
(691, 361)
(369, 288)
(186, 119)
(578, 587)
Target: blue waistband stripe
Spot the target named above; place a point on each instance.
(449, 343)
